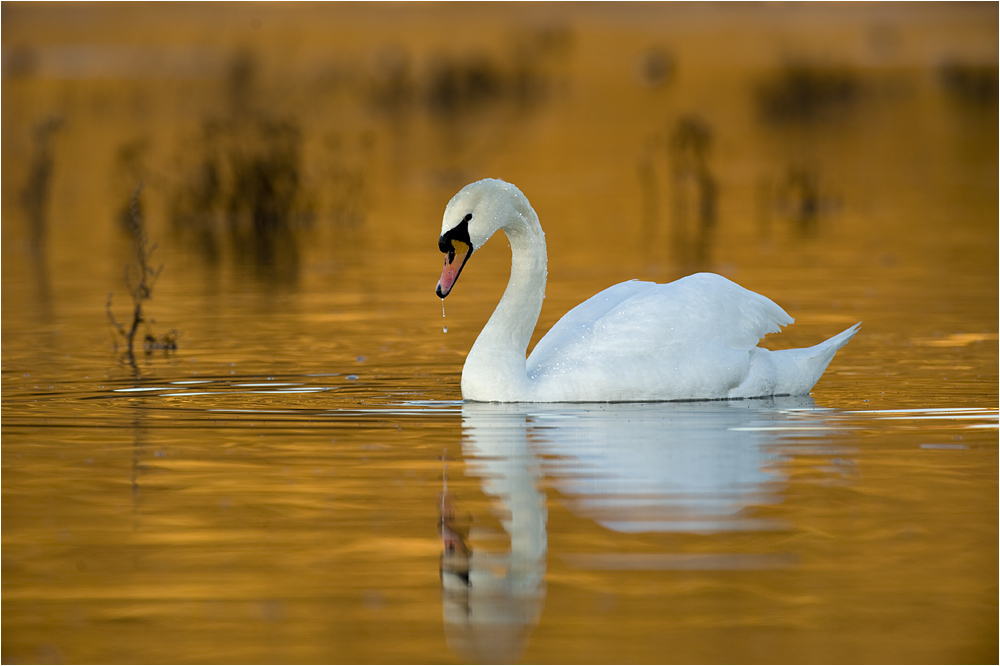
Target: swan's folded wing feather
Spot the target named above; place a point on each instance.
(634, 318)
(576, 326)
(698, 308)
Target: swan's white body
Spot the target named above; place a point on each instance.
(692, 339)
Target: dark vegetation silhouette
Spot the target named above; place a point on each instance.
(245, 192)
(973, 84)
(680, 158)
(804, 92)
(140, 278)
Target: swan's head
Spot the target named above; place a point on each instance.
(471, 217)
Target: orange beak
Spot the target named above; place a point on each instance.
(453, 263)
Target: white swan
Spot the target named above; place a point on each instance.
(691, 339)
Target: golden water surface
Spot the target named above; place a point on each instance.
(288, 474)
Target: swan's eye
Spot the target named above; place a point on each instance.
(467, 218)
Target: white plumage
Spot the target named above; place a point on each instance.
(695, 338)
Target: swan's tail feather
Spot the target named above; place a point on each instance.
(831, 345)
(812, 361)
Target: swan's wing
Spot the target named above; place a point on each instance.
(578, 323)
(698, 308)
(633, 320)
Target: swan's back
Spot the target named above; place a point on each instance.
(646, 341)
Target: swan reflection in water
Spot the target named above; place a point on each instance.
(693, 467)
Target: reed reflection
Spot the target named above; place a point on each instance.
(693, 189)
(631, 468)
(35, 198)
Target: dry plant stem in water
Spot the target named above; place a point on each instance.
(140, 277)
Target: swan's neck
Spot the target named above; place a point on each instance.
(495, 367)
